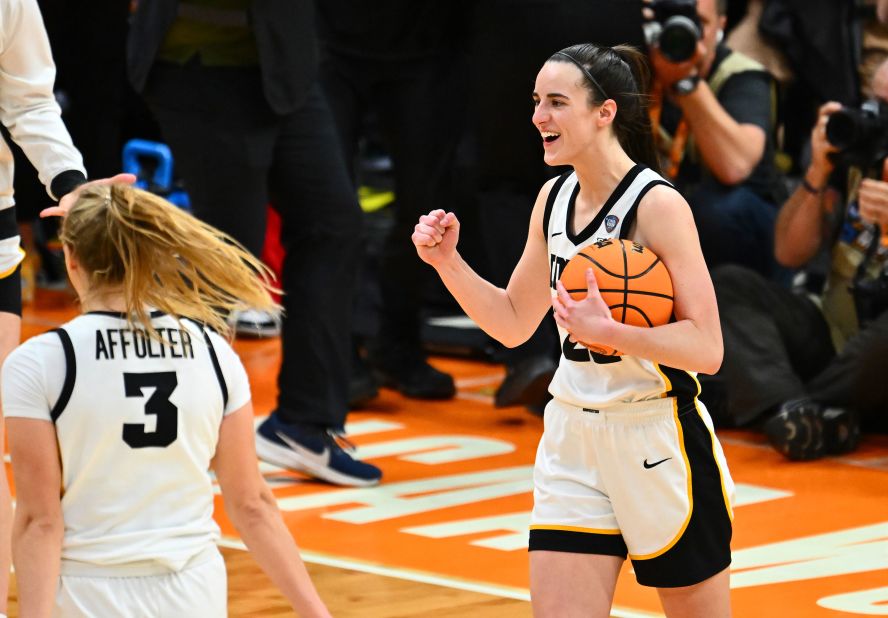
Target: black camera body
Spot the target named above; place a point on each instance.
(859, 134)
(676, 28)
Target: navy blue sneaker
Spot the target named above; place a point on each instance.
(314, 451)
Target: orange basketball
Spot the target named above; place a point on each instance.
(633, 282)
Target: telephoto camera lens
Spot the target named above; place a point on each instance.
(678, 39)
(675, 29)
(844, 128)
(860, 136)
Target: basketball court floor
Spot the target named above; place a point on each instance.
(445, 534)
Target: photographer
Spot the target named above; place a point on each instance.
(716, 128)
(812, 367)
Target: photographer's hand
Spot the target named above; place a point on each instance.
(799, 230)
(873, 199)
(667, 72)
(821, 166)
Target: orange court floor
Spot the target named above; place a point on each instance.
(810, 539)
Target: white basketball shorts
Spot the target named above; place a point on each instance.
(648, 480)
(198, 591)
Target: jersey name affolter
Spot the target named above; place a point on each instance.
(137, 421)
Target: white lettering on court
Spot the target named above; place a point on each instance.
(393, 500)
(443, 449)
(866, 602)
(854, 550)
(516, 524)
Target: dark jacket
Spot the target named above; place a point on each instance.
(285, 37)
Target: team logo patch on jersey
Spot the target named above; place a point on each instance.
(610, 222)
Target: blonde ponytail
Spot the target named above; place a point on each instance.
(156, 255)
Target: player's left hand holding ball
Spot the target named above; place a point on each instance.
(588, 319)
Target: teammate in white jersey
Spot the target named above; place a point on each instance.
(116, 418)
(628, 464)
(28, 109)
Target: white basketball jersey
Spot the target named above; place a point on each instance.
(585, 379)
(137, 423)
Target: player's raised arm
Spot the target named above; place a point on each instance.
(508, 315)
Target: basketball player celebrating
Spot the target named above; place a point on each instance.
(628, 463)
(115, 419)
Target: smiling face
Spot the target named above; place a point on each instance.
(567, 123)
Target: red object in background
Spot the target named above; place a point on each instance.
(273, 251)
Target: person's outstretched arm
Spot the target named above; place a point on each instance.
(253, 511)
(38, 528)
(508, 315)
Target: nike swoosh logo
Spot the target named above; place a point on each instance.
(656, 463)
(554, 234)
(322, 458)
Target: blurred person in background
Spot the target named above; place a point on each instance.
(233, 85)
(398, 60)
(809, 366)
(716, 131)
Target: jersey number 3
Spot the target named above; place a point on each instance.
(158, 404)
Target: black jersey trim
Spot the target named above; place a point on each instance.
(629, 219)
(8, 225)
(586, 233)
(550, 201)
(123, 316)
(542, 539)
(216, 366)
(70, 375)
(11, 292)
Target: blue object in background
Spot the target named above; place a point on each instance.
(161, 182)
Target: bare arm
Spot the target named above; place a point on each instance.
(10, 332)
(508, 315)
(38, 529)
(693, 342)
(799, 229)
(253, 511)
(730, 150)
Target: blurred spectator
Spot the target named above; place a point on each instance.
(717, 128)
(509, 43)
(746, 39)
(233, 86)
(399, 60)
(810, 367)
(821, 41)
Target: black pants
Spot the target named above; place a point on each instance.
(736, 226)
(235, 156)
(778, 347)
(416, 103)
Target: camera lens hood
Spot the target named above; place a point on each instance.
(678, 38)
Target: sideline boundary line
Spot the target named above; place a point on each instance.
(519, 594)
